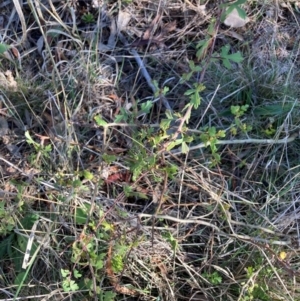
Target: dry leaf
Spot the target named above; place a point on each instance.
(123, 20)
(113, 34)
(8, 81)
(3, 126)
(234, 20)
(15, 52)
(40, 44)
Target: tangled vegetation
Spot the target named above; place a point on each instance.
(149, 150)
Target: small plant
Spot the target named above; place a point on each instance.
(256, 288)
(171, 240)
(214, 278)
(227, 57)
(88, 18)
(42, 150)
(7, 222)
(210, 138)
(68, 284)
(238, 112)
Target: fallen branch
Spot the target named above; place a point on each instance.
(284, 140)
(144, 71)
(219, 231)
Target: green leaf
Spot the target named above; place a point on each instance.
(195, 100)
(70, 286)
(199, 87)
(3, 47)
(202, 50)
(235, 110)
(225, 50)
(76, 183)
(189, 92)
(184, 148)
(124, 116)
(146, 107)
(169, 114)
(191, 63)
(239, 2)
(228, 11)
(20, 278)
(109, 158)
(174, 143)
(226, 57)
(88, 175)
(100, 121)
(236, 57)
(81, 214)
(188, 138)
(165, 124)
(77, 274)
(99, 263)
(221, 134)
(48, 148)
(241, 12)
(29, 139)
(235, 4)
(226, 63)
(108, 296)
(165, 90)
(212, 131)
(64, 273)
(211, 27)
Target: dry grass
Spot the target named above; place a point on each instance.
(180, 228)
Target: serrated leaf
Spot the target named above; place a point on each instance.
(212, 131)
(191, 64)
(225, 50)
(165, 124)
(64, 273)
(236, 57)
(108, 296)
(119, 118)
(188, 139)
(196, 100)
(77, 274)
(226, 63)
(221, 133)
(73, 286)
(146, 107)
